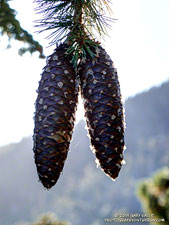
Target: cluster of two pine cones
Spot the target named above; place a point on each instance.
(55, 113)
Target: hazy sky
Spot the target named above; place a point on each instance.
(138, 44)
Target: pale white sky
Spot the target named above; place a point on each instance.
(138, 44)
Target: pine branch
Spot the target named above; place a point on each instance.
(11, 27)
(75, 21)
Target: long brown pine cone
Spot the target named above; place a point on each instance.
(54, 118)
(103, 110)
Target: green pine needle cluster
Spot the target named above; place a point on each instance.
(76, 21)
(11, 27)
(154, 195)
(48, 219)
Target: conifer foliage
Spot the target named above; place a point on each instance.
(11, 27)
(154, 195)
(80, 57)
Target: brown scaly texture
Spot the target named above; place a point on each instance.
(103, 109)
(54, 118)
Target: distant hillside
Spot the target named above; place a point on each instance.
(148, 112)
(83, 194)
(147, 129)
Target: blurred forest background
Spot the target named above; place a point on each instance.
(83, 194)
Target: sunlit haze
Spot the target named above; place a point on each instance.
(138, 44)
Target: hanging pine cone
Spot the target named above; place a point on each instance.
(54, 118)
(103, 109)
(77, 22)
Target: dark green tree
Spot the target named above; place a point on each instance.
(11, 27)
(48, 219)
(154, 195)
